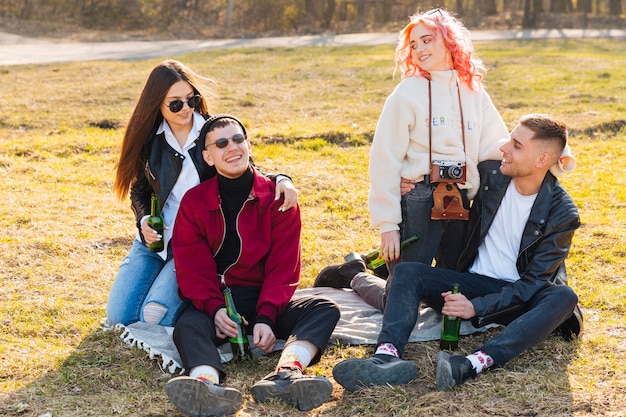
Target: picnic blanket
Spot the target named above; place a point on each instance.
(359, 324)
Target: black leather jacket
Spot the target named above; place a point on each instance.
(161, 168)
(545, 244)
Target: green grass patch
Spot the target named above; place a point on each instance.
(311, 113)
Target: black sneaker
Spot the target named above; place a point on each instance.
(201, 398)
(339, 276)
(453, 370)
(291, 387)
(353, 374)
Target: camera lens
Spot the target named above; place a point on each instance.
(455, 172)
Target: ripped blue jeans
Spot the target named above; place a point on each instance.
(144, 278)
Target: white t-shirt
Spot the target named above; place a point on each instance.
(497, 254)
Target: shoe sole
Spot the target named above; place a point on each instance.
(198, 399)
(443, 376)
(358, 373)
(305, 394)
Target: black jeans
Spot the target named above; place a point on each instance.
(438, 239)
(305, 318)
(414, 282)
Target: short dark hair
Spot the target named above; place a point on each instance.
(220, 120)
(547, 128)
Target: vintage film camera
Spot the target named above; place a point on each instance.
(448, 204)
(447, 171)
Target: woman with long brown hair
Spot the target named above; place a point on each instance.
(161, 154)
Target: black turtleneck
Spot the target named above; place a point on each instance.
(233, 193)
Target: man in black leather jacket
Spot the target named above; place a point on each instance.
(511, 270)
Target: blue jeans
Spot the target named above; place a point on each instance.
(438, 239)
(415, 282)
(143, 278)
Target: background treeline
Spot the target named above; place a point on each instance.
(230, 18)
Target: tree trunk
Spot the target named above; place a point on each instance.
(583, 6)
(529, 21)
(26, 10)
(615, 7)
(561, 6)
(309, 9)
(459, 8)
(383, 10)
(328, 12)
(342, 14)
(229, 14)
(489, 8)
(361, 11)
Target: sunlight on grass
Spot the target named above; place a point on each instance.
(311, 113)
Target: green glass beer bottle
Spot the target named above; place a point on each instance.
(450, 326)
(155, 221)
(373, 260)
(239, 344)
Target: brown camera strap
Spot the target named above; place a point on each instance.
(430, 124)
(447, 201)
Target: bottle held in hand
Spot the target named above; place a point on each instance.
(450, 326)
(155, 221)
(239, 344)
(373, 260)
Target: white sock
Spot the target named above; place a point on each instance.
(480, 361)
(299, 354)
(206, 372)
(387, 349)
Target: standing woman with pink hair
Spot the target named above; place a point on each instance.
(434, 129)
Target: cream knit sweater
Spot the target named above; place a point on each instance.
(400, 146)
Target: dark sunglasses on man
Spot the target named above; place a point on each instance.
(223, 142)
(177, 105)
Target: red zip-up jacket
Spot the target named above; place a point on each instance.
(270, 248)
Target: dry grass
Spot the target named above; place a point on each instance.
(311, 112)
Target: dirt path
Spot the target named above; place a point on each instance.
(18, 50)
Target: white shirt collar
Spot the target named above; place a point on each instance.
(198, 122)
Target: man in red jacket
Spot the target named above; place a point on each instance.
(231, 233)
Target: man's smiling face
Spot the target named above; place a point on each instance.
(520, 154)
(232, 160)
